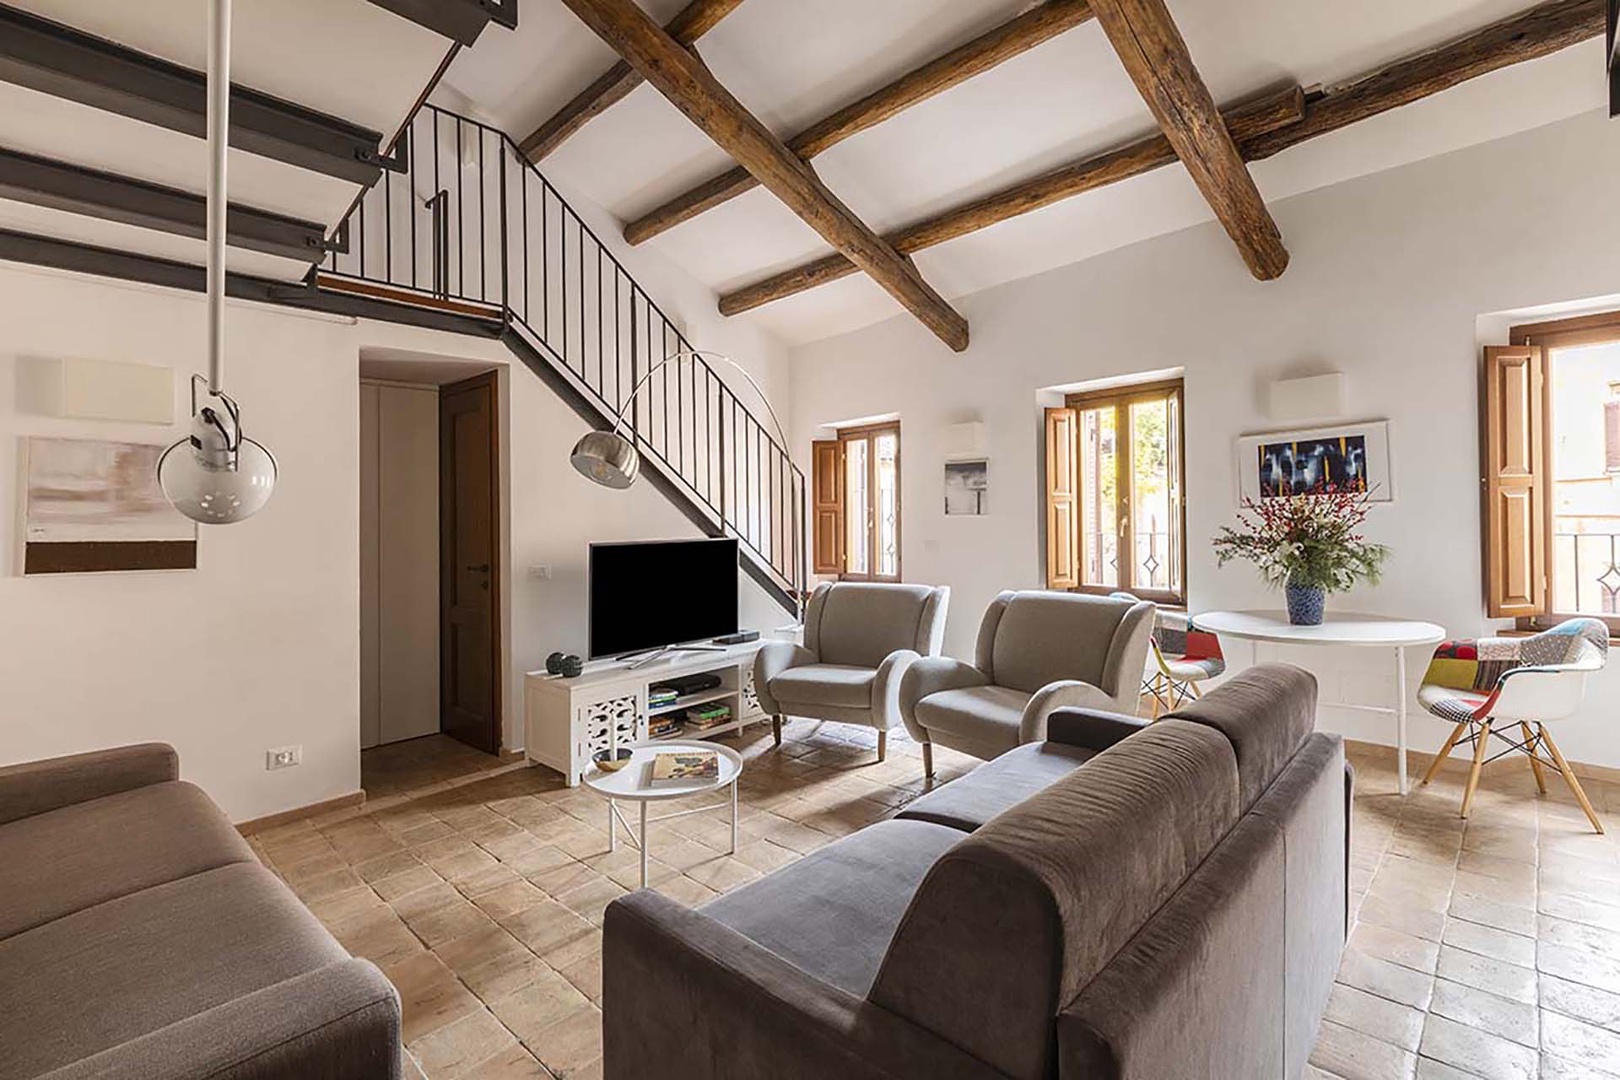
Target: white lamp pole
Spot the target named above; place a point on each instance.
(217, 475)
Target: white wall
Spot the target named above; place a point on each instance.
(1388, 277)
(256, 648)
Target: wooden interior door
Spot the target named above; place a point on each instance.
(469, 563)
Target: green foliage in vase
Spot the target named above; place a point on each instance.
(1307, 540)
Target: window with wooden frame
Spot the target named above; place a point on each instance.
(1550, 464)
(855, 503)
(1115, 511)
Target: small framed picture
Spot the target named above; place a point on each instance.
(1317, 461)
(967, 486)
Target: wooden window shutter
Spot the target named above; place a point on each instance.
(1515, 483)
(1062, 499)
(827, 505)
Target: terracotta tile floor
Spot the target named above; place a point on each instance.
(421, 763)
(1487, 949)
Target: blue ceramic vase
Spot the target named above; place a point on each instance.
(1305, 604)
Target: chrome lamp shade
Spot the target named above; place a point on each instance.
(606, 458)
(214, 486)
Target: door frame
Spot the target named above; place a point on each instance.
(497, 576)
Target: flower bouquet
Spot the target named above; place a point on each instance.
(1310, 545)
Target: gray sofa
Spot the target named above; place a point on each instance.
(859, 639)
(1037, 652)
(139, 937)
(1119, 902)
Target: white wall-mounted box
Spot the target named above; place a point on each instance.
(77, 389)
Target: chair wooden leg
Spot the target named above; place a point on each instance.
(1483, 739)
(1569, 777)
(776, 727)
(1192, 688)
(1532, 742)
(1445, 751)
(883, 745)
(928, 761)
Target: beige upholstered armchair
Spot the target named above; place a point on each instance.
(1037, 651)
(859, 639)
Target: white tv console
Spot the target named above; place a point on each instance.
(568, 720)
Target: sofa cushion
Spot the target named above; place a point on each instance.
(997, 785)
(1036, 901)
(825, 684)
(832, 913)
(1043, 637)
(862, 623)
(109, 847)
(1265, 713)
(113, 972)
(978, 714)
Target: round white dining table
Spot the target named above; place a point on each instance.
(1337, 630)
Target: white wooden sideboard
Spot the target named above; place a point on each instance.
(568, 720)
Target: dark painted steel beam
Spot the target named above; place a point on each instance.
(459, 20)
(67, 63)
(60, 186)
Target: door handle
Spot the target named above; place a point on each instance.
(481, 568)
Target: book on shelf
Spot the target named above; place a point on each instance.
(683, 767)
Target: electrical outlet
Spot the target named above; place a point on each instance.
(283, 757)
(540, 572)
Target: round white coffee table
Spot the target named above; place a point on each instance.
(1341, 629)
(630, 784)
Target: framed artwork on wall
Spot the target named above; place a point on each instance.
(91, 506)
(967, 487)
(1316, 461)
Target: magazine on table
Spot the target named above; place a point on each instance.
(684, 767)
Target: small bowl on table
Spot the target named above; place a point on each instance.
(612, 760)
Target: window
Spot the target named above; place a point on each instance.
(1115, 515)
(1552, 472)
(856, 501)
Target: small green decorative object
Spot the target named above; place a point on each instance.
(571, 667)
(554, 663)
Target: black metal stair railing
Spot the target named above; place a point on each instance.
(474, 227)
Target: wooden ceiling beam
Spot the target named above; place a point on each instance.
(1272, 112)
(693, 21)
(687, 83)
(1147, 42)
(1534, 33)
(1012, 38)
(1531, 34)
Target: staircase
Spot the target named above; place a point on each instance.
(472, 230)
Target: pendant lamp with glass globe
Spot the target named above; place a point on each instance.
(217, 475)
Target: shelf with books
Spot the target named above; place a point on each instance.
(706, 733)
(686, 701)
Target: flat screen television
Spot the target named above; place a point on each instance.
(667, 592)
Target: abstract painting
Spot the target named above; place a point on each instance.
(95, 506)
(967, 486)
(1353, 458)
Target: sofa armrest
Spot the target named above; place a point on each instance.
(773, 658)
(1091, 729)
(886, 687)
(1061, 694)
(338, 1021)
(933, 675)
(35, 787)
(686, 996)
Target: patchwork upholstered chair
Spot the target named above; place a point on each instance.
(1507, 687)
(1037, 651)
(1181, 656)
(859, 638)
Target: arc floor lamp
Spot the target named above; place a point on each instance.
(216, 475)
(610, 458)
